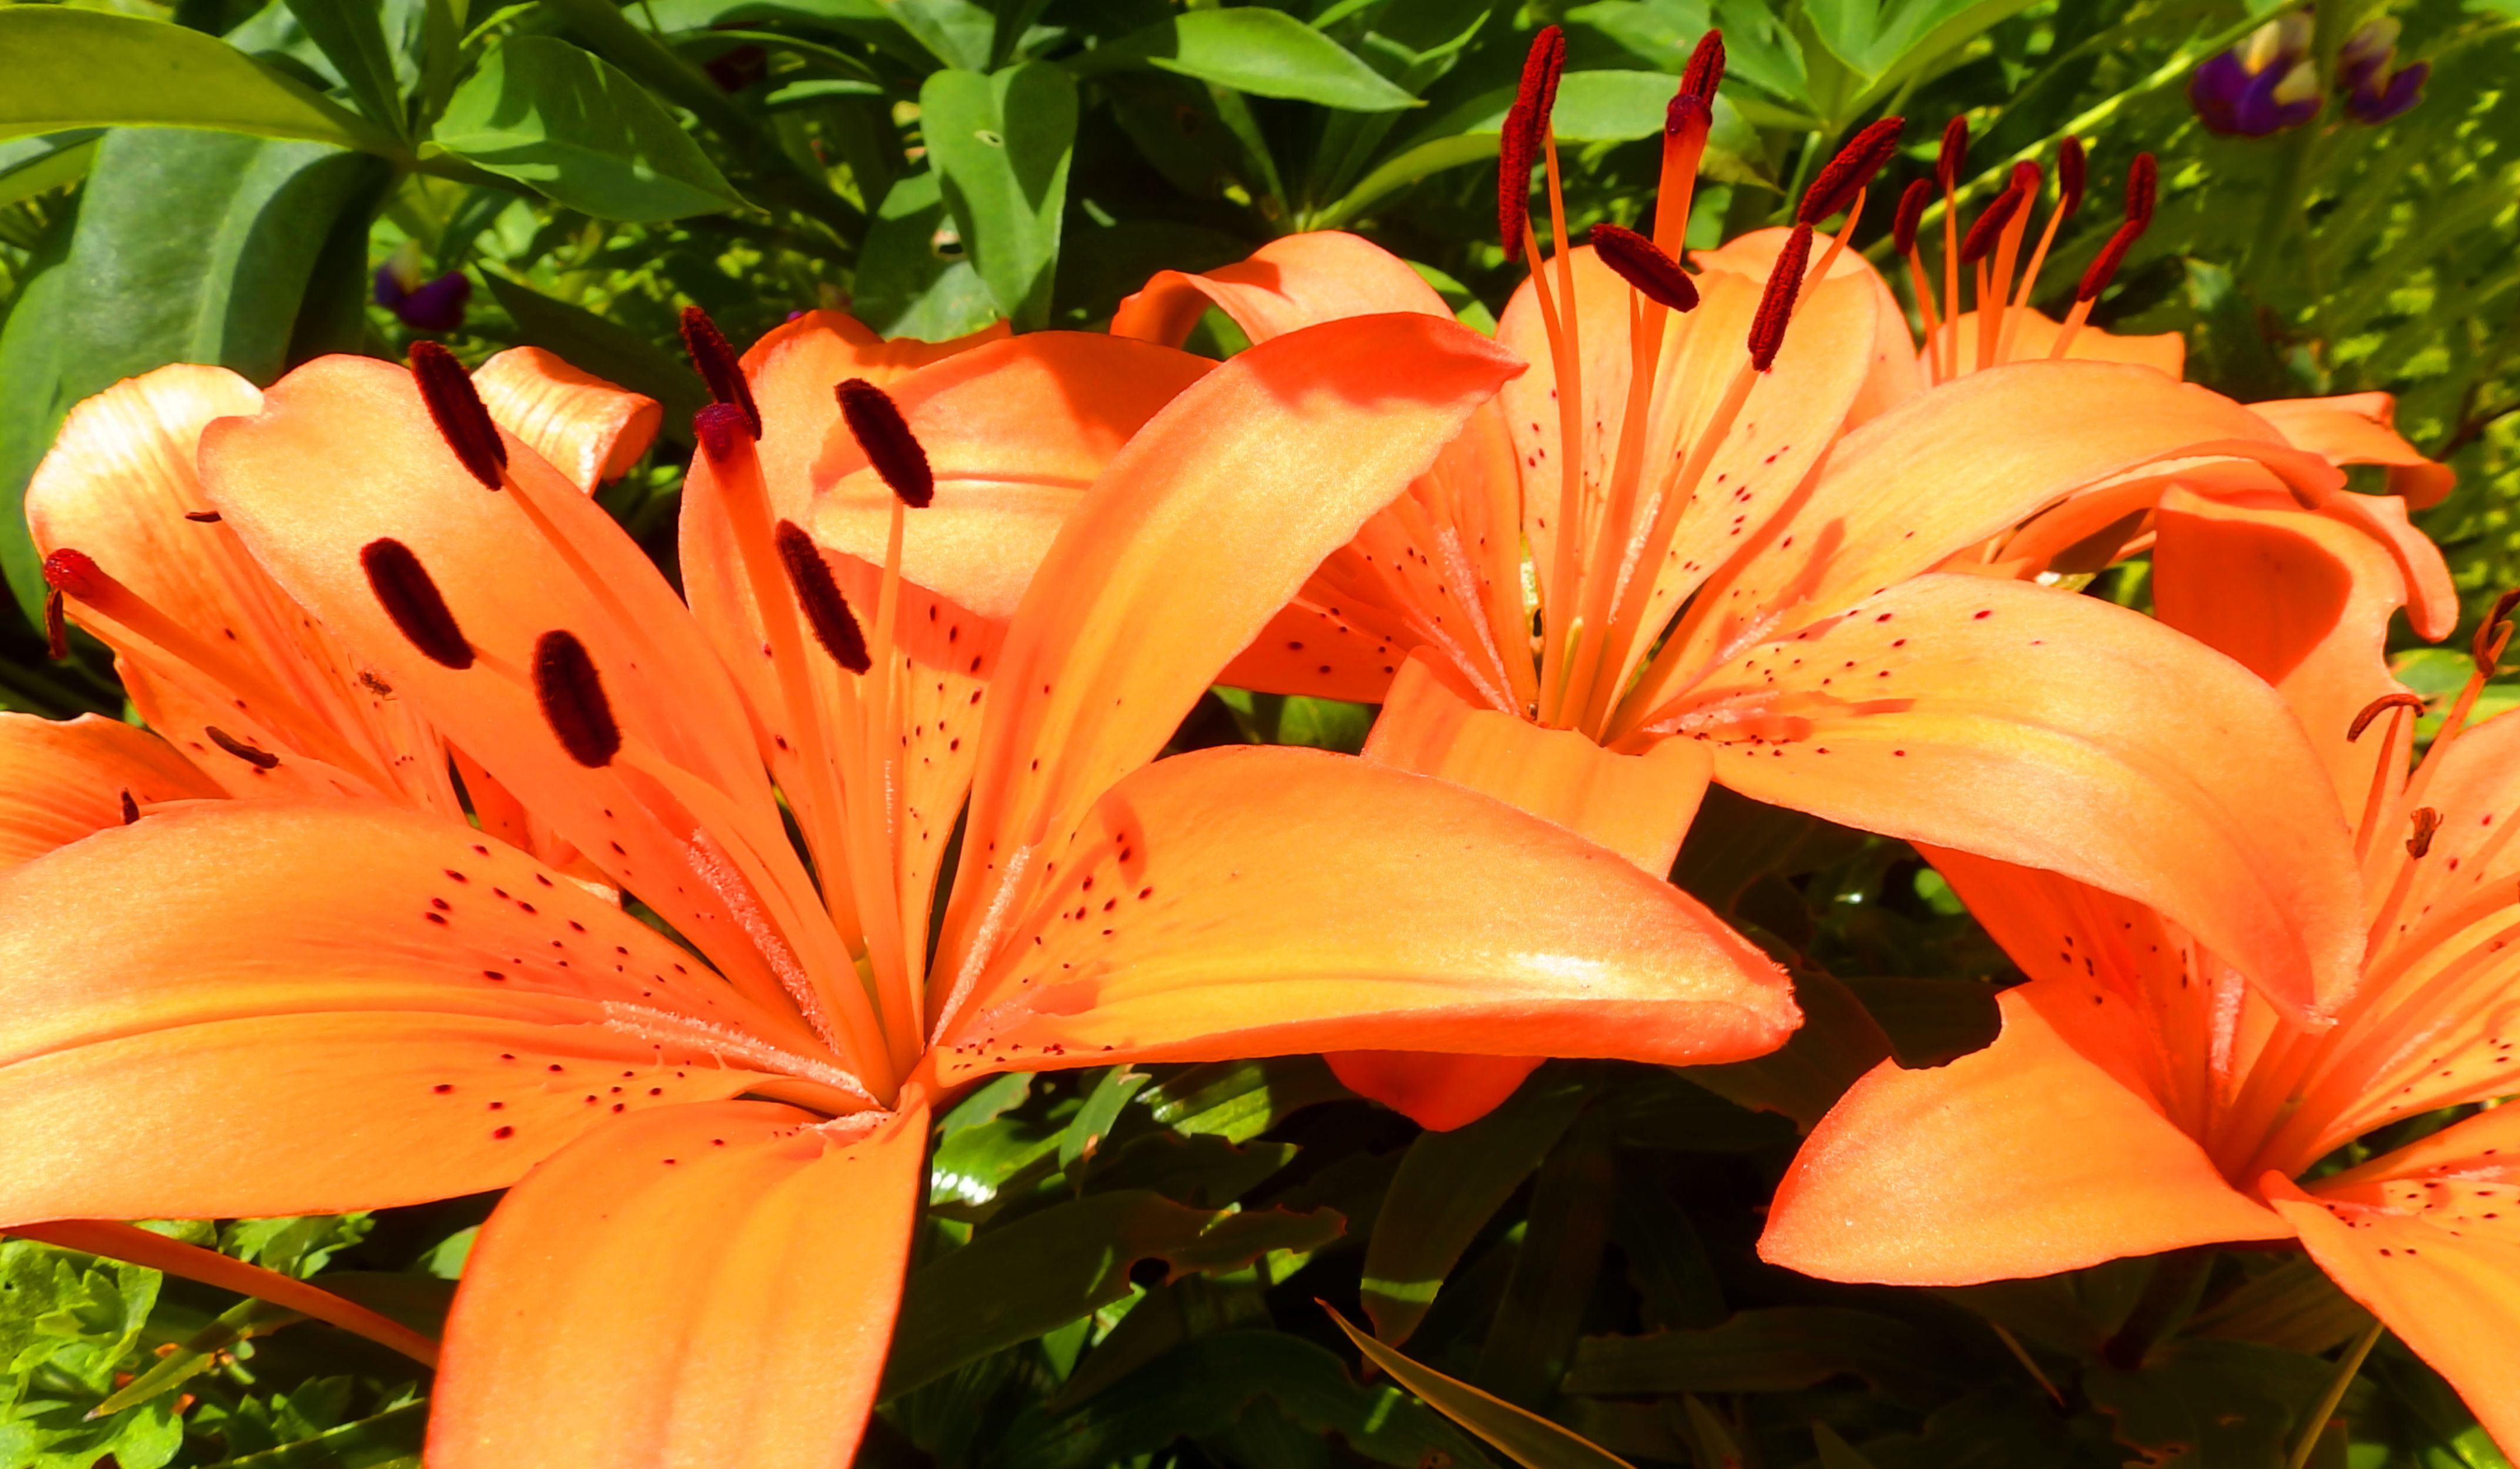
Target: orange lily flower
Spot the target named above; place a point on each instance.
(1735, 548)
(2139, 1099)
(716, 1151)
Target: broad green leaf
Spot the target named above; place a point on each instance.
(30, 166)
(351, 34)
(915, 275)
(1777, 1350)
(1038, 1272)
(957, 31)
(1666, 1259)
(1527, 1439)
(1533, 1333)
(1616, 107)
(604, 348)
(1238, 1100)
(70, 69)
(1001, 144)
(1298, 719)
(187, 246)
(547, 115)
(1447, 1187)
(1205, 1172)
(1252, 49)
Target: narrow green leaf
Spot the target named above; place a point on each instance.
(1094, 1121)
(1001, 146)
(351, 34)
(1527, 1439)
(547, 115)
(1238, 1100)
(195, 1355)
(1445, 1192)
(1533, 1334)
(1252, 49)
(70, 69)
(391, 1440)
(604, 348)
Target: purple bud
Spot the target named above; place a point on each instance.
(2375, 103)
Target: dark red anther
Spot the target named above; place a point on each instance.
(456, 407)
(1776, 302)
(2143, 184)
(875, 422)
(1641, 263)
(410, 597)
(1705, 70)
(1684, 113)
(1526, 124)
(2028, 178)
(719, 367)
(2104, 265)
(130, 809)
(2493, 632)
(1843, 176)
(252, 754)
(1911, 209)
(74, 573)
(826, 611)
(571, 694)
(1990, 225)
(1542, 66)
(2426, 822)
(2069, 176)
(203, 518)
(2379, 706)
(57, 626)
(720, 427)
(1954, 158)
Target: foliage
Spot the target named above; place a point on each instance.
(1124, 1265)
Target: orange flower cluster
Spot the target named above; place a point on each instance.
(427, 718)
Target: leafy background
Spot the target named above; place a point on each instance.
(1125, 1267)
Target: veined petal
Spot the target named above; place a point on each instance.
(2428, 1239)
(2058, 731)
(2300, 601)
(1199, 532)
(2034, 337)
(2358, 429)
(1016, 431)
(1945, 470)
(2432, 601)
(2022, 1159)
(1208, 908)
(62, 779)
(695, 1287)
(1291, 283)
(260, 1007)
(588, 429)
(120, 485)
(1895, 374)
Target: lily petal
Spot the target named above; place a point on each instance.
(352, 1006)
(2358, 429)
(2035, 336)
(699, 1287)
(2022, 1159)
(588, 429)
(1895, 374)
(1205, 909)
(1291, 283)
(2059, 732)
(61, 780)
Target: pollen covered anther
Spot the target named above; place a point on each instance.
(1843, 176)
(2070, 176)
(571, 694)
(2143, 186)
(1705, 70)
(56, 627)
(2377, 707)
(818, 594)
(719, 428)
(877, 423)
(2104, 265)
(1642, 264)
(2494, 634)
(1982, 235)
(714, 359)
(74, 573)
(1954, 156)
(1526, 124)
(410, 598)
(1776, 302)
(456, 407)
(2425, 822)
(130, 809)
(260, 759)
(1911, 211)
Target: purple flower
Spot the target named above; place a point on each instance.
(430, 306)
(2260, 86)
(2376, 102)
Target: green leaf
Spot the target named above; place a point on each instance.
(30, 166)
(1527, 1439)
(1839, 1042)
(914, 277)
(1836, 1452)
(604, 348)
(547, 115)
(351, 34)
(1447, 1187)
(1781, 1349)
(1252, 49)
(1535, 1327)
(1001, 144)
(390, 1440)
(70, 69)
(1238, 1100)
(187, 246)
(1038, 1272)
(196, 1354)
(2210, 1405)
(1094, 1121)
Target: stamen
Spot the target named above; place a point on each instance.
(719, 367)
(2426, 822)
(1903, 235)
(2143, 184)
(1641, 263)
(1851, 171)
(2377, 707)
(2494, 634)
(56, 627)
(260, 759)
(717, 427)
(1776, 302)
(826, 611)
(1991, 315)
(203, 518)
(455, 405)
(571, 694)
(875, 422)
(1526, 121)
(2106, 264)
(130, 809)
(1948, 166)
(1705, 70)
(1954, 156)
(1989, 227)
(403, 586)
(74, 573)
(2070, 169)
(1685, 123)
(1912, 208)
(2069, 198)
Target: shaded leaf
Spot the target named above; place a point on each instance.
(547, 115)
(915, 277)
(1525, 1438)
(1776, 1350)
